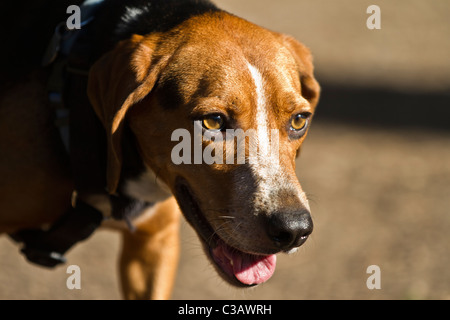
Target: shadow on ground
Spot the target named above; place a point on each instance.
(375, 165)
(384, 107)
(379, 192)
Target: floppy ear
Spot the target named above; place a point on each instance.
(309, 86)
(117, 81)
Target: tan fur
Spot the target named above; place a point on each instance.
(147, 271)
(228, 90)
(205, 74)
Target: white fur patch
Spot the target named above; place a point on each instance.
(262, 119)
(266, 167)
(132, 13)
(147, 187)
(263, 168)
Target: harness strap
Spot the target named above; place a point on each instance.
(59, 48)
(47, 248)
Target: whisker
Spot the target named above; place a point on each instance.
(235, 229)
(227, 217)
(312, 198)
(219, 228)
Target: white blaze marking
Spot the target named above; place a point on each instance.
(262, 118)
(266, 166)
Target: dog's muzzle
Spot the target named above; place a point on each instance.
(283, 230)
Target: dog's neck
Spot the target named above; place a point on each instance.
(147, 187)
(138, 181)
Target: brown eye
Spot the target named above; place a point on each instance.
(299, 122)
(213, 123)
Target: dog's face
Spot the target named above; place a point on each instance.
(247, 205)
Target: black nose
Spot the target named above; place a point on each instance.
(289, 230)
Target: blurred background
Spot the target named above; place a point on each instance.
(376, 166)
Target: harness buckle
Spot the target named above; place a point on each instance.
(47, 247)
(44, 258)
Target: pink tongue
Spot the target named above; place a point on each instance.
(248, 269)
(254, 269)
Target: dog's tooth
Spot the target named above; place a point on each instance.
(294, 250)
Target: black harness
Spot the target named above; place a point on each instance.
(69, 57)
(47, 247)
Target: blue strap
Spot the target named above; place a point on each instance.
(88, 10)
(65, 40)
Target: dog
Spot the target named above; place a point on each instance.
(134, 73)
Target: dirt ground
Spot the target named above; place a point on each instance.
(379, 191)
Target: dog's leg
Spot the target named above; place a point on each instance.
(149, 257)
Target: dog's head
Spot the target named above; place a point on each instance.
(219, 108)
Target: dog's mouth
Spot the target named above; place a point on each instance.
(248, 269)
(237, 267)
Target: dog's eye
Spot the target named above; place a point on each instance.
(299, 122)
(213, 122)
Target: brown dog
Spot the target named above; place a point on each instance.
(154, 68)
